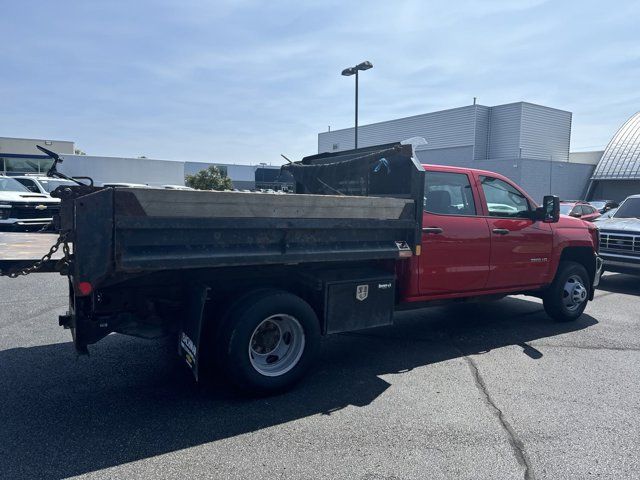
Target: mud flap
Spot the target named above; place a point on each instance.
(189, 338)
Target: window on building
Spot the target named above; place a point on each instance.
(26, 165)
(503, 200)
(448, 194)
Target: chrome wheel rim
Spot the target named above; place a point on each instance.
(276, 345)
(574, 293)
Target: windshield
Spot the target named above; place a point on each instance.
(565, 209)
(51, 185)
(11, 185)
(630, 208)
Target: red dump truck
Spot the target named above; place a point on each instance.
(250, 282)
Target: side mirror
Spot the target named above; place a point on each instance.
(549, 212)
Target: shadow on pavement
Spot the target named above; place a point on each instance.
(62, 416)
(620, 283)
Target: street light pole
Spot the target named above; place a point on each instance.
(356, 129)
(347, 72)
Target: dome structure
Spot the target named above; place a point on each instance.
(621, 158)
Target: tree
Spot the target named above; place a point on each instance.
(209, 179)
(77, 151)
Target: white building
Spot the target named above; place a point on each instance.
(19, 156)
(123, 170)
(526, 142)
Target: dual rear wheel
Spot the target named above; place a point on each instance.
(266, 341)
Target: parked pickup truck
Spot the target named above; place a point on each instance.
(620, 238)
(250, 282)
(22, 209)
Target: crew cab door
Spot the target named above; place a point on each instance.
(455, 236)
(520, 248)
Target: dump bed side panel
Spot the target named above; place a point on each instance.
(157, 230)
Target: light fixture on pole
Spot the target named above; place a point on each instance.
(347, 72)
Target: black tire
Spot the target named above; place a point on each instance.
(234, 347)
(557, 296)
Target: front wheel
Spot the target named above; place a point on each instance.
(267, 341)
(568, 295)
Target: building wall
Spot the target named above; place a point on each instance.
(123, 170)
(517, 140)
(545, 133)
(591, 158)
(456, 156)
(616, 190)
(20, 155)
(567, 180)
(481, 141)
(443, 129)
(504, 131)
(27, 146)
(515, 130)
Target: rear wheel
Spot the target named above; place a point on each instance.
(267, 341)
(568, 295)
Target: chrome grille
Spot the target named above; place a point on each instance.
(621, 243)
(26, 211)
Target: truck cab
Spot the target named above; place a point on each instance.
(482, 235)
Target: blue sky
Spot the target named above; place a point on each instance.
(243, 81)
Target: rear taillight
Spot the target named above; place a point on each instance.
(84, 288)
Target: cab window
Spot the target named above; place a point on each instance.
(448, 194)
(30, 184)
(504, 200)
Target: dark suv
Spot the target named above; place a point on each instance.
(620, 238)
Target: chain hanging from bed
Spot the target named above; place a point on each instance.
(61, 265)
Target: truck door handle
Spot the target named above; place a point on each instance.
(432, 230)
(501, 231)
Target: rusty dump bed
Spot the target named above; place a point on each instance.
(126, 230)
(119, 232)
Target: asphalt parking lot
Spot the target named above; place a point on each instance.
(486, 391)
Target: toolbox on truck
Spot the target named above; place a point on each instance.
(354, 300)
